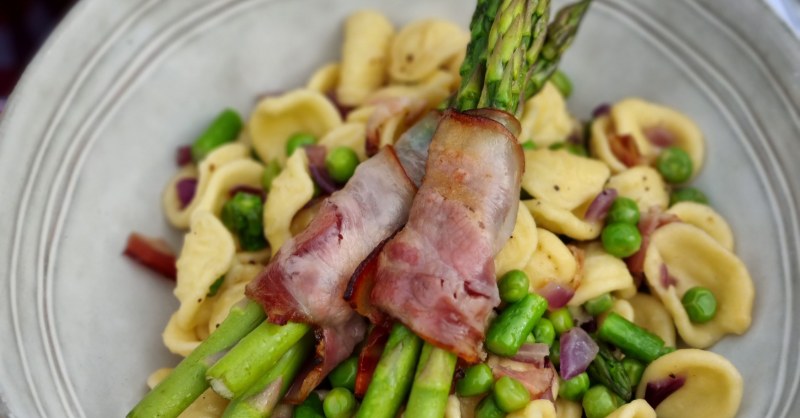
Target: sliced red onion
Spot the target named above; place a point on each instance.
(658, 390)
(601, 110)
(659, 136)
(667, 280)
(243, 188)
(534, 353)
(557, 295)
(316, 165)
(578, 350)
(599, 207)
(186, 188)
(183, 156)
(343, 109)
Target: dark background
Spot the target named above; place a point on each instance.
(24, 26)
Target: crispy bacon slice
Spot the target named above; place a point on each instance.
(370, 355)
(437, 274)
(539, 377)
(153, 253)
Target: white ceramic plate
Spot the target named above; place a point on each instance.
(88, 140)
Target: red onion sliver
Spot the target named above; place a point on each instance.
(578, 350)
(186, 188)
(557, 295)
(255, 191)
(666, 279)
(601, 110)
(183, 155)
(343, 109)
(316, 165)
(659, 136)
(658, 390)
(534, 353)
(599, 207)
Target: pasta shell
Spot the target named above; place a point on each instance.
(642, 184)
(520, 247)
(207, 405)
(705, 218)
(693, 258)
(275, 119)
(244, 172)
(179, 340)
(713, 386)
(453, 409)
(650, 314)
(157, 376)
(545, 118)
(432, 90)
(231, 292)
(602, 273)
(540, 408)
(290, 191)
(424, 46)
(635, 409)
(365, 56)
(551, 262)
(568, 409)
(324, 80)
(351, 134)
(622, 308)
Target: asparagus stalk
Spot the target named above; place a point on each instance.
(432, 383)
(254, 356)
(632, 339)
(608, 371)
(260, 400)
(393, 375)
(188, 380)
(474, 65)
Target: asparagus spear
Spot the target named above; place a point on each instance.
(474, 65)
(188, 380)
(432, 383)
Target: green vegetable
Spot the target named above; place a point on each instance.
(214, 288)
(510, 395)
(225, 128)
(431, 388)
(562, 83)
(599, 304)
(608, 371)
(632, 339)
(599, 402)
(340, 403)
(555, 353)
(529, 145)
(244, 216)
(271, 171)
(621, 240)
(623, 210)
(488, 408)
(508, 330)
(561, 319)
(513, 286)
(341, 163)
(344, 375)
(299, 140)
(688, 194)
(310, 408)
(674, 165)
(544, 332)
(573, 389)
(573, 149)
(477, 380)
(635, 370)
(700, 304)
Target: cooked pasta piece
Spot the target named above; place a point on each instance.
(432, 90)
(540, 408)
(551, 262)
(453, 409)
(290, 191)
(179, 340)
(622, 308)
(157, 376)
(602, 273)
(568, 409)
(231, 292)
(545, 119)
(642, 184)
(208, 405)
(244, 172)
(520, 247)
(350, 134)
(650, 314)
(705, 218)
(637, 408)
(325, 79)
(424, 46)
(365, 56)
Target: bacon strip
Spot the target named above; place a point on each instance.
(437, 274)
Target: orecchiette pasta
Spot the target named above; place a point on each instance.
(551, 262)
(208, 405)
(424, 46)
(365, 56)
(545, 118)
(642, 184)
(602, 273)
(275, 119)
(705, 218)
(540, 408)
(432, 90)
(231, 292)
(568, 409)
(350, 134)
(325, 79)
(179, 340)
(635, 409)
(244, 172)
(709, 265)
(520, 247)
(712, 386)
(157, 376)
(290, 191)
(453, 409)
(622, 308)
(650, 314)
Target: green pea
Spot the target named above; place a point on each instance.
(271, 171)
(344, 375)
(340, 403)
(599, 402)
(298, 140)
(562, 83)
(634, 368)
(544, 332)
(598, 305)
(341, 163)
(510, 395)
(675, 165)
(573, 389)
(225, 128)
(621, 240)
(688, 194)
(528, 145)
(700, 304)
(513, 286)
(477, 380)
(488, 408)
(555, 353)
(244, 215)
(562, 320)
(624, 210)
(310, 408)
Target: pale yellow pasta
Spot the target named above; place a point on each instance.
(244, 172)
(540, 408)
(713, 386)
(562, 221)
(545, 118)
(520, 247)
(157, 376)
(324, 80)
(208, 405)
(705, 218)
(361, 114)
(179, 340)
(622, 308)
(709, 265)
(602, 273)
(290, 191)
(642, 184)
(551, 262)
(260, 257)
(206, 170)
(431, 90)
(275, 119)
(650, 314)
(207, 254)
(424, 46)
(231, 292)
(365, 56)
(453, 409)
(637, 408)
(568, 409)
(600, 145)
(350, 134)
